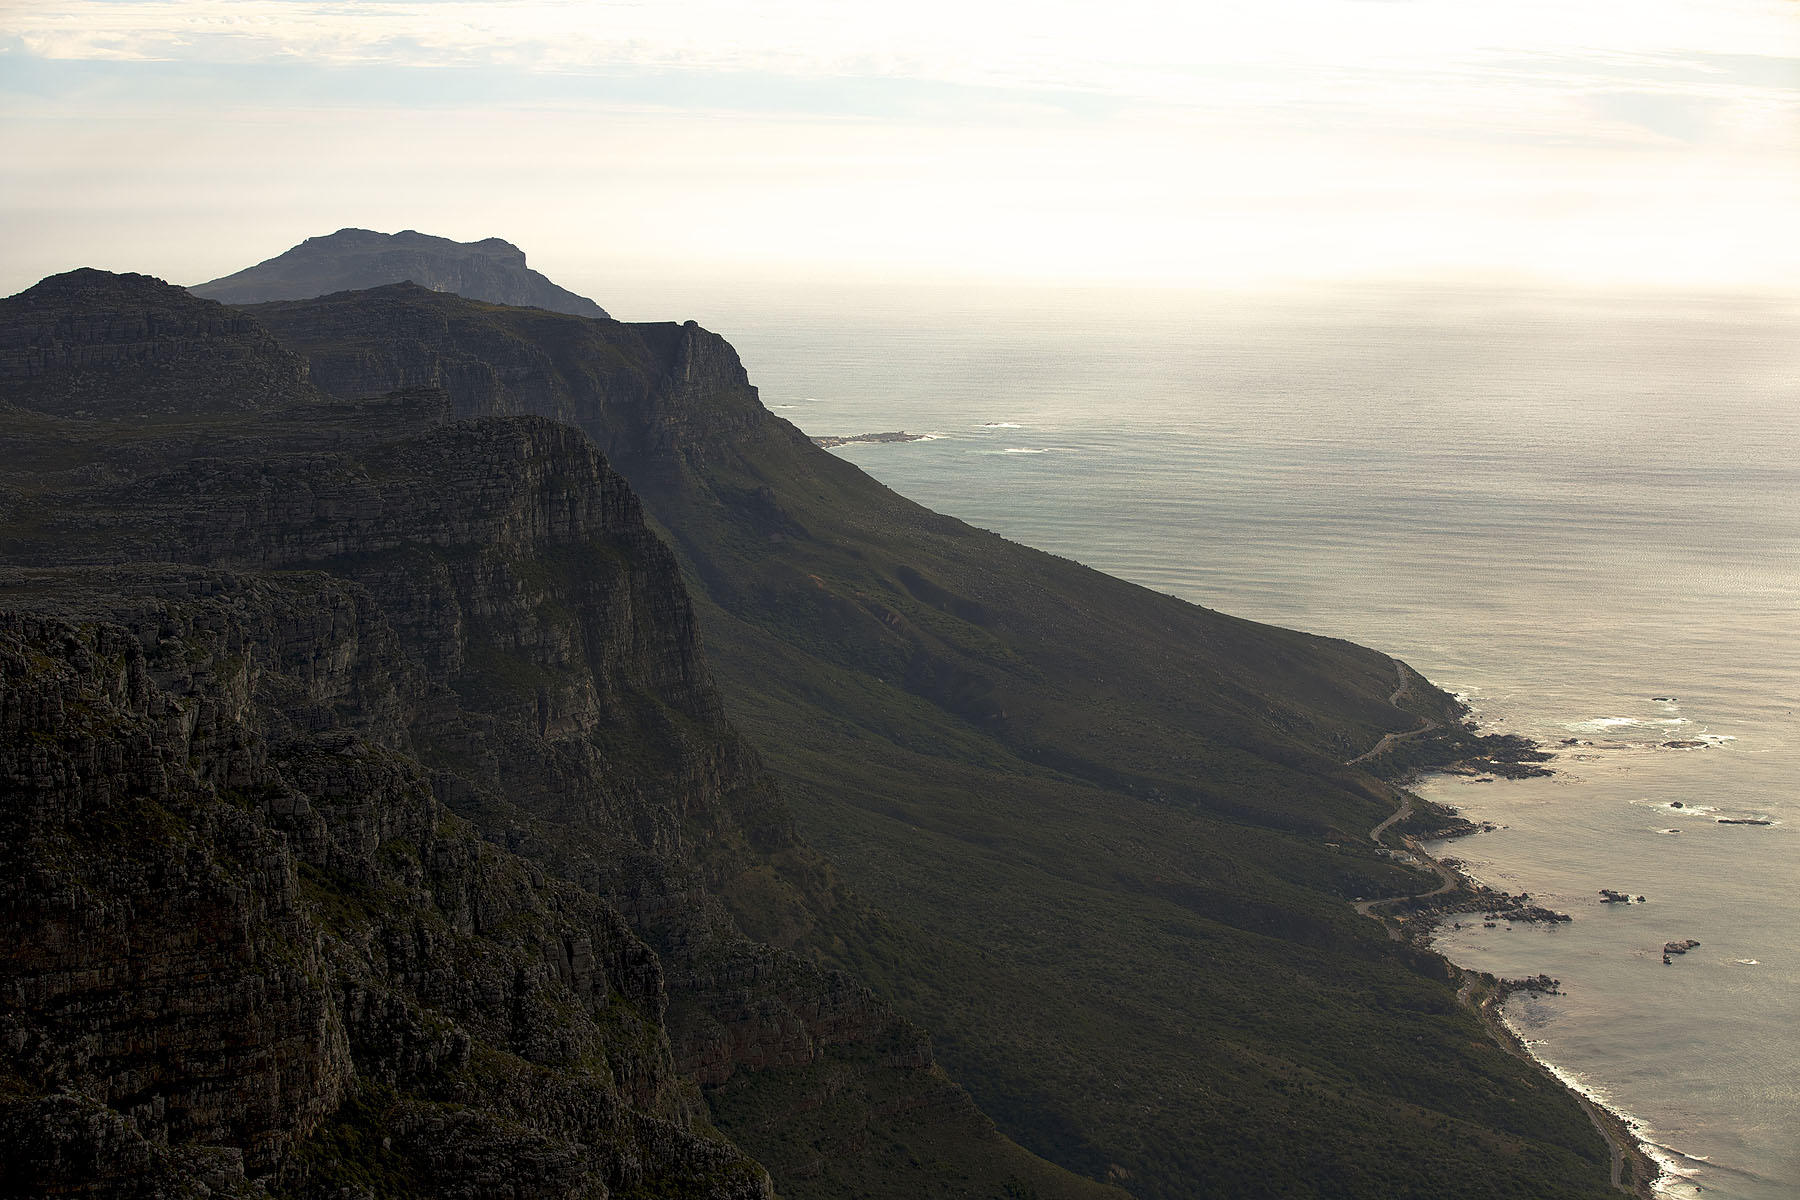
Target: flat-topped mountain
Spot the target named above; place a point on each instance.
(352, 259)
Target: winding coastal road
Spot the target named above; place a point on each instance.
(1388, 740)
(1448, 878)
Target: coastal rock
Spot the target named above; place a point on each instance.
(1458, 828)
(1540, 984)
(1533, 914)
(1495, 906)
(829, 441)
(1507, 755)
(1681, 947)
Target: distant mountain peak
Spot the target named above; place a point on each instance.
(353, 238)
(353, 259)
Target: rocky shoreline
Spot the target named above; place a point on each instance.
(1542, 984)
(1634, 1170)
(1418, 917)
(1507, 755)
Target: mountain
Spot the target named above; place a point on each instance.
(371, 825)
(1111, 838)
(350, 259)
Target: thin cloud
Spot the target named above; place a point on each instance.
(969, 41)
(1150, 140)
(1436, 68)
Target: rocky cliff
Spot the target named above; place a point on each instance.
(249, 964)
(352, 259)
(371, 820)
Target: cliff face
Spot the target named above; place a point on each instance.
(248, 963)
(371, 821)
(352, 259)
(673, 390)
(165, 988)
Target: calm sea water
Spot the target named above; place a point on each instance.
(1582, 512)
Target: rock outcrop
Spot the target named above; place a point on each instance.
(352, 259)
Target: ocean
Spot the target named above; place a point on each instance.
(1579, 511)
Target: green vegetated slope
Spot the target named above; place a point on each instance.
(1109, 836)
(369, 821)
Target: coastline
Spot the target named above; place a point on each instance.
(1635, 1170)
(1702, 1061)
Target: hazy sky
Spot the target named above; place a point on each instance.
(1206, 143)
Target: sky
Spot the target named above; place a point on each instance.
(1210, 144)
